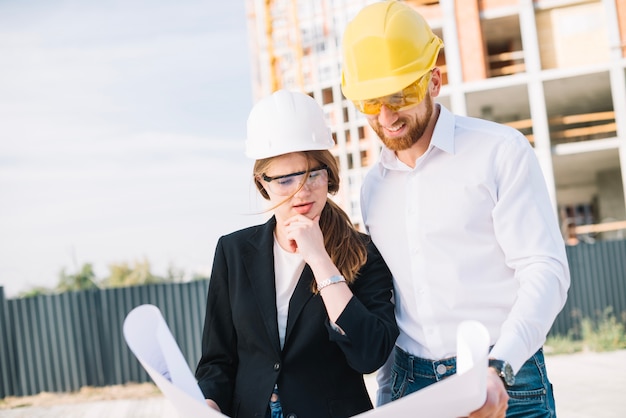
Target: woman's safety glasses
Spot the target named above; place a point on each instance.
(408, 97)
(290, 183)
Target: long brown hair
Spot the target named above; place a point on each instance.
(342, 241)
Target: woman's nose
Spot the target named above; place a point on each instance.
(306, 188)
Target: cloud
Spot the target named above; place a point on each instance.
(159, 65)
(121, 134)
(165, 198)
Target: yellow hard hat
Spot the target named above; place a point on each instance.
(386, 47)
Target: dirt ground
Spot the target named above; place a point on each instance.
(85, 394)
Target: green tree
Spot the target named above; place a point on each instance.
(174, 274)
(122, 275)
(35, 291)
(84, 279)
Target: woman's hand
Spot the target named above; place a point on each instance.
(308, 241)
(213, 405)
(306, 238)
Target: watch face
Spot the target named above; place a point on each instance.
(507, 374)
(505, 371)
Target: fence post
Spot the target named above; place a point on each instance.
(6, 349)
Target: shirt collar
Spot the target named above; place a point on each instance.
(443, 138)
(443, 134)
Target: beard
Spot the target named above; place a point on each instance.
(416, 128)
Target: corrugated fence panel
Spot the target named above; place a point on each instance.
(71, 344)
(46, 347)
(88, 313)
(116, 303)
(24, 315)
(617, 287)
(183, 310)
(7, 363)
(182, 307)
(598, 281)
(59, 343)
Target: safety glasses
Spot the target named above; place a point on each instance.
(408, 97)
(288, 184)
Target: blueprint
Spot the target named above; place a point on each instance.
(150, 339)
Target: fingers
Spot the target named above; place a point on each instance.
(297, 226)
(301, 220)
(496, 404)
(305, 236)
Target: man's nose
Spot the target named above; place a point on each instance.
(387, 116)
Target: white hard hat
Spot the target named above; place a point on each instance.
(286, 121)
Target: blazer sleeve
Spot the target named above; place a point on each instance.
(218, 364)
(368, 321)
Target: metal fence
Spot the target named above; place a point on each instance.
(598, 282)
(60, 343)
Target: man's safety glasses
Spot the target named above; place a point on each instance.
(288, 184)
(408, 97)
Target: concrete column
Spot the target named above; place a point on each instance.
(453, 58)
(536, 96)
(471, 42)
(618, 82)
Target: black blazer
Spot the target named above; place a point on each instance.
(318, 371)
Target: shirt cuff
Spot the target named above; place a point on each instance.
(511, 349)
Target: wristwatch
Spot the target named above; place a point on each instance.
(505, 371)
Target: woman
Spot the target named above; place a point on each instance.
(298, 308)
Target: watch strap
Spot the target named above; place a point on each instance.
(330, 281)
(505, 371)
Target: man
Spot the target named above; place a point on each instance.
(460, 211)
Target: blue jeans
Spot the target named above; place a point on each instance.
(530, 397)
(274, 410)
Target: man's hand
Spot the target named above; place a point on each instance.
(497, 398)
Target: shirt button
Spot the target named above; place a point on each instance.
(442, 369)
(276, 366)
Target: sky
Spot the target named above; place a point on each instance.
(122, 128)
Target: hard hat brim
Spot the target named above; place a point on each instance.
(380, 87)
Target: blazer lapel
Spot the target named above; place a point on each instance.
(259, 262)
(301, 295)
